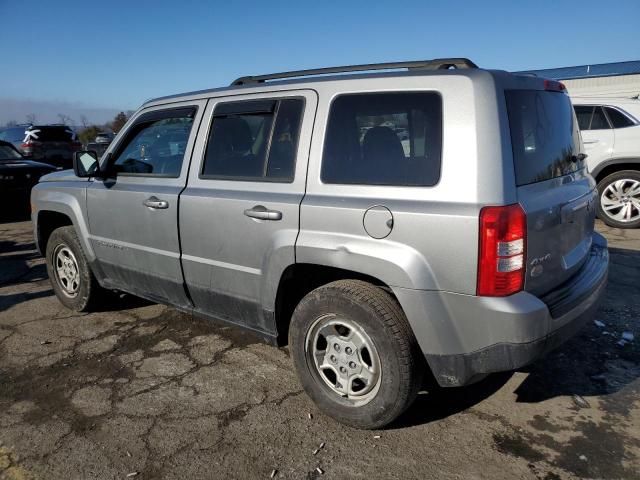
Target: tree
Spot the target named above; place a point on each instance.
(118, 122)
(31, 118)
(83, 121)
(11, 123)
(65, 119)
(88, 134)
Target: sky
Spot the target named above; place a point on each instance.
(102, 57)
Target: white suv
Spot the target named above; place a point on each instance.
(611, 135)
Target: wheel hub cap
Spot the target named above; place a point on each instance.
(344, 358)
(66, 270)
(620, 200)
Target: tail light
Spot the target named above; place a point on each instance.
(554, 86)
(27, 148)
(501, 255)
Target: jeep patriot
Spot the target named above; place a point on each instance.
(388, 221)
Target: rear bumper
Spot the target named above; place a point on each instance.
(465, 337)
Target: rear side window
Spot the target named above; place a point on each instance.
(618, 119)
(254, 140)
(544, 137)
(384, 139)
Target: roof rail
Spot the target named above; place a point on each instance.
(436, 64)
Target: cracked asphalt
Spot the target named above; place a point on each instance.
(142, 391)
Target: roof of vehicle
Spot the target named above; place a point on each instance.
(311, 79)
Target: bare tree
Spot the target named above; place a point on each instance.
(65, 119)
(84, 121)
(31, 118)
(11, 123)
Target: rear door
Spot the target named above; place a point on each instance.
(133, 214)
(239, 215)
(553, 186)
(597, 135)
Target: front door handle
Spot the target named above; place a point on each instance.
(589, 142)
(156, 203)
(263, 213)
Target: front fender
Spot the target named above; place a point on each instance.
(67, 199)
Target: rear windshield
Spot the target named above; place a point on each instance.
(13, 134)
(544, 136)
(51, 134)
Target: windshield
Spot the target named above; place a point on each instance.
(544, 135)
(8, 153)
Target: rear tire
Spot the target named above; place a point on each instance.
(69, 272)
(617, 192)
(356, 328)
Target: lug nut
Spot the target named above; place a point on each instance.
(352, 364)
(333, 358)
(336, 347)
(348, 350)
(343, 370)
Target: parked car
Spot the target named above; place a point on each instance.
(14, 135)
(99, 148)
(104, 137)
(53, 144)
(269, 206)
(17, 177)
(610, 130)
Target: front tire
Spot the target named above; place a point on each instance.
(355, 353)
(619, 199)
(69, 272)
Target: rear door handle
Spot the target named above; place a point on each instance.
(589, 142)
(263, 213)
(156, 203)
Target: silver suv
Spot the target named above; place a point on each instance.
(389, 225)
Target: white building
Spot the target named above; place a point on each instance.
(621, 79)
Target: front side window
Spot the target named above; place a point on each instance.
(599, 121)
(254, 140)
(618, 119)
(155, 145)
(384, 139)
(584, 114)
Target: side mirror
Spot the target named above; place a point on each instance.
(85, 164)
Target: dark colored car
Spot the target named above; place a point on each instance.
(17, 176)
(53, 144)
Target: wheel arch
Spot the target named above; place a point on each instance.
(604, 169)
(299, 279)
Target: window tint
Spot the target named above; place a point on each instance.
(254, 140)
(155, 144)
(384, 139)
(583, 113)
(543, 135)
(599, 121)
(618, 120)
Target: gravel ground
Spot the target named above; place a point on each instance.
(143, 391)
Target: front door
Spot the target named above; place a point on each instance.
(133, 214)
(239, 215)
(597, 135)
